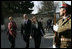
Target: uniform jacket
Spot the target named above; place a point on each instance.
(66, 28)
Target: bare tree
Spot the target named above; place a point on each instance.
(56, 6)
(46, 6)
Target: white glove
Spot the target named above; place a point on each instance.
(55, 27)
(30, 37)
(54, 46)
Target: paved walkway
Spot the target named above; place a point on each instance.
(46, 42)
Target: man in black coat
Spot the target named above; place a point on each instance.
(26, 29)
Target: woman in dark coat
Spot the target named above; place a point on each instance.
(37, 31)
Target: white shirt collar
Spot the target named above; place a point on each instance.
(25, 20)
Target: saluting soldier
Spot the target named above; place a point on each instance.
(63, 27)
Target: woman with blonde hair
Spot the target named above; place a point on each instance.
(12, 31)
(37, 31)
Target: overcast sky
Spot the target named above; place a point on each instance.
(38, 4)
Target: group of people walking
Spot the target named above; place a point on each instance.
(29, 27)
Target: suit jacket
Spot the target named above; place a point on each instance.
(37, 32)
(26, 28)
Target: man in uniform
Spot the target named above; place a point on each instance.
(63, 27)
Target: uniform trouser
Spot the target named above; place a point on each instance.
(12, 41)
(37, 42)
(57, 40)
(65, 35)
(26, 39)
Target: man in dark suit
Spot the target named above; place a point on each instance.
(26, 27)
(37, 32)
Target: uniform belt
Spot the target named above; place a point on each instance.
(65, 39)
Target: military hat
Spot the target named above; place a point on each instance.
(65, 5)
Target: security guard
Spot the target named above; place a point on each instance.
(63, 27)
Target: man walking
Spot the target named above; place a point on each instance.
(26, 29)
